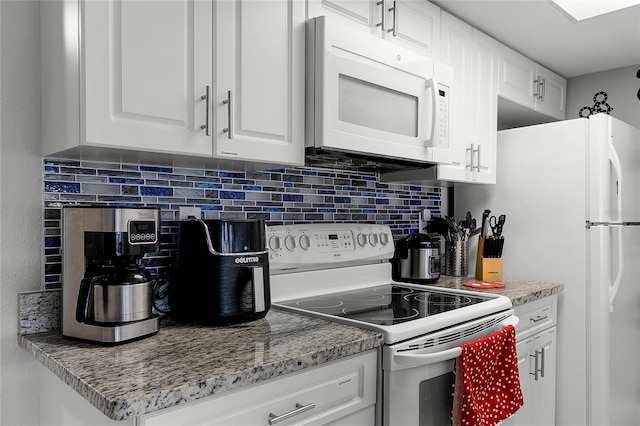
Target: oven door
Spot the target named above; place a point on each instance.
(418, 375)
(373, 97)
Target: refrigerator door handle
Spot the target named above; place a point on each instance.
(617, 166)
(615, 287)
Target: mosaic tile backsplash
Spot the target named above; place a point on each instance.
(278, 196)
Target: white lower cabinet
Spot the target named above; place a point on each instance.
(341, 392)
(536, 347)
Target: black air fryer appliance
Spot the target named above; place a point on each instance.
(221, 274)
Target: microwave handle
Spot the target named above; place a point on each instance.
(435, 113)
(418, 360)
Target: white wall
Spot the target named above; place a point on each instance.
(20, 200)
(621, 86)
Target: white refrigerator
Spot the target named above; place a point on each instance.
(571, 194)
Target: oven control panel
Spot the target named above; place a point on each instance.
(315, 244)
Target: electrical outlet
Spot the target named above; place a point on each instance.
(190, 213)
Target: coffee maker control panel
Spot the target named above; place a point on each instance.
(309, 245)
(142, 232)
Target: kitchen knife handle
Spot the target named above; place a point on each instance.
(205, 98)
(228, 130)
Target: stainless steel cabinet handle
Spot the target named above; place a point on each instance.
(205, 98)
(538, 318)
(536, 368)
(273, 418)
(543, 352)
(394, 30)
(383, 20)
(543, 85)
(536, 88)
(228, 130)
(477, 166)
(470, 151)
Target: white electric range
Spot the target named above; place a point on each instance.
(342, 272)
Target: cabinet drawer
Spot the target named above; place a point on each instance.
(313, 397)
(536, 316)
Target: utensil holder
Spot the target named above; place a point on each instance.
(456, 258)
(487, 268)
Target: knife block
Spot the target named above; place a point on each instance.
(487, 268)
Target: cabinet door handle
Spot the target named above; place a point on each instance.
(383, 20)
(543, 84)
(229, 128)
(536, 88)
(470, 151)
(394, 30)
(205, 98)
(273, 418)
(543, 351)
(538, 318)
(477, 166)
(536, 367)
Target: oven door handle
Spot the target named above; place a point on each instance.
(418, 360)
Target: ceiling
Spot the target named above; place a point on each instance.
(541, 31)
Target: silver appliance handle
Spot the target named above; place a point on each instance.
(418, 360)
(213, 251)
(273, 418)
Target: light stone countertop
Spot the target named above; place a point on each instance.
(184, 363)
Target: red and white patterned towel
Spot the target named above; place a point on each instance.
(487, 388)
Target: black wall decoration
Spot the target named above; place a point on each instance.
(638, 94)
(599, 105)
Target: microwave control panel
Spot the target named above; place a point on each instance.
(442, 129)
(303, 245)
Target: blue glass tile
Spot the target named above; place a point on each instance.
(415, 202)
(156, 191)
(239, 175)
(68, 187)
(52, 241)
(207, 185)
(51, 169)
(156, 169)
(292, 197)
(326, 210)
(124, 204)
(275, 170)
(309, 173)
(370, 178)
(388, 222)
(342, 200)
(405, 211)
(415, 188)
(349, 188)
(127, 181)
(370, 211)
(288, 185)
(326, 192)
(274, 209)
(251, 188)
(210, 207)
(369, 194)
(232, 195)
(404, 226)
(382, 201)
(52, 278)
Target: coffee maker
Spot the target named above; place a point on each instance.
(107, 296)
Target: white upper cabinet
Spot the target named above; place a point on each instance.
(530, 85)
(258, 99)
(414, 24)
(198, 78)
(144, 74)
(473, 56)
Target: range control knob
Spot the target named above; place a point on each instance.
(362, 239)
(290, 242)
(373, 239)
(274, 243)
(384, 238)
(305, 242)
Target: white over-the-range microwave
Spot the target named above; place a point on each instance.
(372, 99)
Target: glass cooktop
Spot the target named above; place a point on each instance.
(388, 304)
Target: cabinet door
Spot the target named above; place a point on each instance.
(414, 24)
(457, 52)
(545, 388)
(146, 66)
(553, 93)
(363, 14)
(259, 96)
(526, 413)
(485, 85)
(517, 76)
